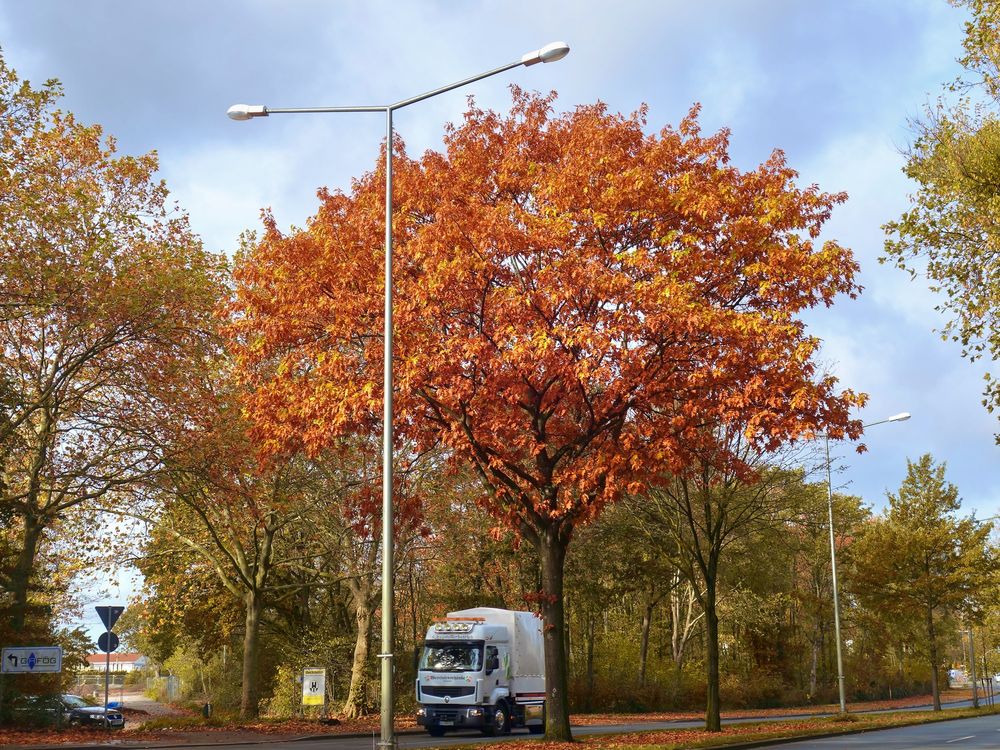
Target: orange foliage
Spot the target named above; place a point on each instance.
(579, 306)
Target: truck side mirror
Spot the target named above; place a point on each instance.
(492, 663)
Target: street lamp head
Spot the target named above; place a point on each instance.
(901, 417)
(548, 53)
(246, 111)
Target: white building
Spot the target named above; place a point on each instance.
(118, 662)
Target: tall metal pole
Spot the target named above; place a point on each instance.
(549, 53)
(901, 417)
(387, 737)
(836, 593)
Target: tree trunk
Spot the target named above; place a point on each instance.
(20, 576)
(249, 699)
(567, 620)
(415, 632)
(357, 703)
(647, 619)
(713, 721)
(682, 623)
(590, 661)
(933, 654)
(815, 643)
(553, 557)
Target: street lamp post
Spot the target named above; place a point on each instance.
(972, 668)
(833, 558)
(549, 53)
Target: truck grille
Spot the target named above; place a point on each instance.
(452, 691)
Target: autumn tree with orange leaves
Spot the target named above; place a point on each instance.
(581, 307)
(106, 297)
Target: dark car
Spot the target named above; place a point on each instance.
(65, 710)
(78, 712)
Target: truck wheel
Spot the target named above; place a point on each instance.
(435, 731)
(501, 721)
(536, 728)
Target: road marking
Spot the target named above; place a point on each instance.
(959, 739)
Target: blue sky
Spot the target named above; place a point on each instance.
(833, 83)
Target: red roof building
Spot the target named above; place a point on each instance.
(118, 662)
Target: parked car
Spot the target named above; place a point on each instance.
(77, 711)
(71, 710)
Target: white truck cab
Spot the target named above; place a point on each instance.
(482, 668)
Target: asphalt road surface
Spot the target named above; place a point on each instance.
(424, 740)
(981, 732)
(962, 734)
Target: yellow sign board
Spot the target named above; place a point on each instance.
(313, 687)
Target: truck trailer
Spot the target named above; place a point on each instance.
(482, 668)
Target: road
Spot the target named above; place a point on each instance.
(981, 732)
(949, 735)
(424, 740)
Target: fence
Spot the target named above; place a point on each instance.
(164, 688)
(92, 685)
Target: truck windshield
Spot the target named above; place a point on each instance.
(452, 657)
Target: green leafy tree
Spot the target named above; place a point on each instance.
(611, 563)
(950, 234)
(104, 298)
(921, 562)
(812, 585)
(697, 518)
(235, 521)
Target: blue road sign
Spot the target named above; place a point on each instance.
(110, 614)
(107, 642)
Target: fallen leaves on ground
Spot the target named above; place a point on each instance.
(670, 737)
(188, 729)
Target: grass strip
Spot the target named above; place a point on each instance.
(750, 733)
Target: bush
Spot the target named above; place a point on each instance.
(759, 691)
(181, 722)
(36, 711)
(202, 680)
(666, 691)
(286, 694)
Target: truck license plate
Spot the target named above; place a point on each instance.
(446, 723)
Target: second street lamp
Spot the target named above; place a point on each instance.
(972, 667)
(549, 53)
(833, 558)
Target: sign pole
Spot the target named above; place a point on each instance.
(109, 616)
(107, 675)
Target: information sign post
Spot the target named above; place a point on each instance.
(31, 659)
(108, 642)
(314, 688)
